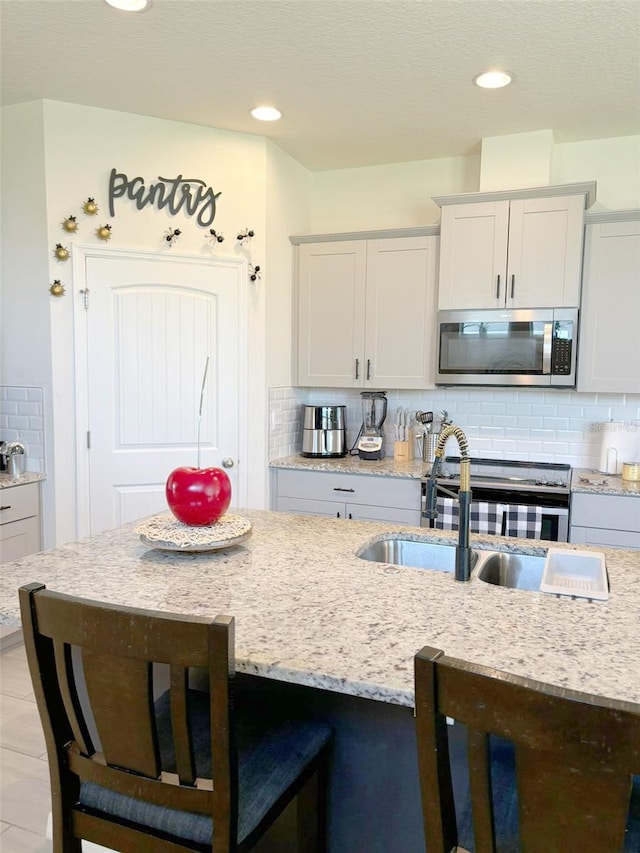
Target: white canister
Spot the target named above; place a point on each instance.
(620, 442)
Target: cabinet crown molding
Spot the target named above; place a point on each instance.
(601, 216)
(588, 189)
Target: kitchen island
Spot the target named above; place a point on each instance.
(342, 631)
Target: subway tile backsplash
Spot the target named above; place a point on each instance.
(532, 425)
(22, 419)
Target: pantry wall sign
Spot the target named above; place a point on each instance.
(175, 194)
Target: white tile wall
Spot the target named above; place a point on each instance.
(22, 419)
(285, 421)
(529, 424)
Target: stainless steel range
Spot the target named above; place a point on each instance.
(528, 499)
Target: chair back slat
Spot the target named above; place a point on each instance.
(559, 804)
(69, 695)
(574, 756)
(481, 791)
(225, 761)
(438, 807)
(120, 692)
(157, 791)
(182, 735)
(536, 714)
(110, 630)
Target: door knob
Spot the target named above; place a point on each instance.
(227, 462)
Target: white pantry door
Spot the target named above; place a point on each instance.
(143, 334)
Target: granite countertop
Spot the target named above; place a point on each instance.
(387, 467)
(309, 611)
(594, 482)
(7, 482)
(582, 480)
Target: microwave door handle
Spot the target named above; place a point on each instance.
(547, 344)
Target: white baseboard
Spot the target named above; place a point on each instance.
(9, 637)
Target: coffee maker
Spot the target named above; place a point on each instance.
(371, 437)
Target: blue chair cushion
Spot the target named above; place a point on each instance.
(270, 759)
(505, 804)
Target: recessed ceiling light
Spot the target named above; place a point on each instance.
(266, 113)
(492, 79)
(129, 5)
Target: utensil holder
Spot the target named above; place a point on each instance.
(403, 451)
(429, 444)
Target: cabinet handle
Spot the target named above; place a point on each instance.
(357, 368)
(337, 515)
(350, 517)
(338, 489)
(513, 285)
(368, 368)
(8, 506)
(498, 287)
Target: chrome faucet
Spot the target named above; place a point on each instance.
(463, 552)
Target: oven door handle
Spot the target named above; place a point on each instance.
(547, 346)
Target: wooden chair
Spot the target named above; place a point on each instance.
(190, 771)
(569, 786)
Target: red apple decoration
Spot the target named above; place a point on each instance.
(198, 496)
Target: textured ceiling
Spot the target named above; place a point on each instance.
(360, 82)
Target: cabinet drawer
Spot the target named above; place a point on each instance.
(350, 488)
(19, 502)
(384, 513)
(604, 538)
(332, 509)
(615, 512)
(19, 539)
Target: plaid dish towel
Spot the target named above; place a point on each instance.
(524, 521)
(448, 514)
(485, 517)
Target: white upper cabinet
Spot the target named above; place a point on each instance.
(366, 313)
(473, 255)
(610, 319)
(331, 293)
(511, 252)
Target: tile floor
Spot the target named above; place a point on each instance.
(24, 775)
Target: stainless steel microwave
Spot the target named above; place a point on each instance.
(535, 347)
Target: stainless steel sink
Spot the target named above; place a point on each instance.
(517, 571)
(409, 552)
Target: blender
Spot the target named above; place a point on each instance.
(371, 437)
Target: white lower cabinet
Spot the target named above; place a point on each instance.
(611, 521)
(19, 536)
(352, 496)
(19, 521)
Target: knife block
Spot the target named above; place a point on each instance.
(403, 451)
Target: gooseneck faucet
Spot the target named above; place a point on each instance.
(463, 552)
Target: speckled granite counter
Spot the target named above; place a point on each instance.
(387, 467)
(596, 483)
(310, 612)
(6, 481)
(582, 480)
